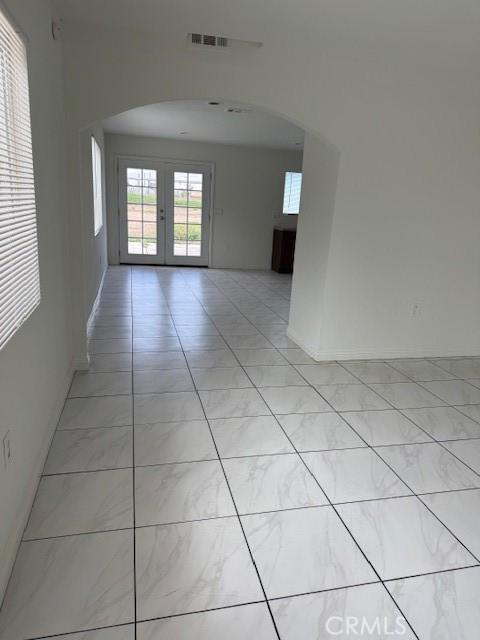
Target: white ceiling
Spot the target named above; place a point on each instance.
(440, 32)
(202, 122)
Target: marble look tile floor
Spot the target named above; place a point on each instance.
(209, 480)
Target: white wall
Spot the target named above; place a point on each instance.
(35, 366)
(248, 188)
(319, 184)
(406, 223)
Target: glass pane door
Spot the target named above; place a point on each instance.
(187, 193)
(142, 211)
(141, 225)
(187, 225)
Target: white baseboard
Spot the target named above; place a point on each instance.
(81, 364)
(393, 353)
(13, 543)
(309, 349)
(382, 353)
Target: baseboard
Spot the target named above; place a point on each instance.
(81, 364)
(309, 349)
(15, 539)
(96, 302)
(382, 353)
(394, 353)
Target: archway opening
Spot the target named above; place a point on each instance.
(218, 184)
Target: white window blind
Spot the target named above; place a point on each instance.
(97, 186)
(291, 193)
(19, 270)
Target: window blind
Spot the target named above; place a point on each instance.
(97, 186)
(292, 191)
(19, 269)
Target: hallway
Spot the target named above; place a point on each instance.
(207, 466)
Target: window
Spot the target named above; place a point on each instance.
(19, 270)
(97, 186)
(291, 193)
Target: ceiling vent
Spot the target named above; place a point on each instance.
(208, 41)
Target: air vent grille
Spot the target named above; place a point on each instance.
(208, 41)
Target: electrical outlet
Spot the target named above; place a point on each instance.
(416, 309)
(7, 450)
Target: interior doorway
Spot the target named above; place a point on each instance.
(164, 212)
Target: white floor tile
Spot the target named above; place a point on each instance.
(90, 450)
(468, 451)
(220, 378)
(211, 358)
(364, 611)
(351, 397)
(274, 376)
(167, 407)
(283, 400)
(82, 503)
(193, 564)
(369, 372)
(100, 384)
(428, 467)
(407, 395)
(69, 584)
(252, 436)
(256, 357)
(444, 423)
(354, 474)
(304, 550)
(270, 483)
(181, 492)
(385, 427)
(148, 360)
(233, 403)
(442, 605)
(189, 567)
(164, 381)
(160, 443)
(235, 623)
(326, 374)
(402, 538)
(82, 413)
(454, 391)
(459, 511)
(420, 370)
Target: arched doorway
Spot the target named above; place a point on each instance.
(226, 247)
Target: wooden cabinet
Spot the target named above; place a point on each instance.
(283, 250)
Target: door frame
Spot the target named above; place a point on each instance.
(122, 210)
(121, 157)
(170, 257)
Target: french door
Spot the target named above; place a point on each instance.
(164, 212)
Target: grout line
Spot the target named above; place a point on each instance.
(247, 513)
(348, 530)
(233, 308)
(133, 477)
(238, 515)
